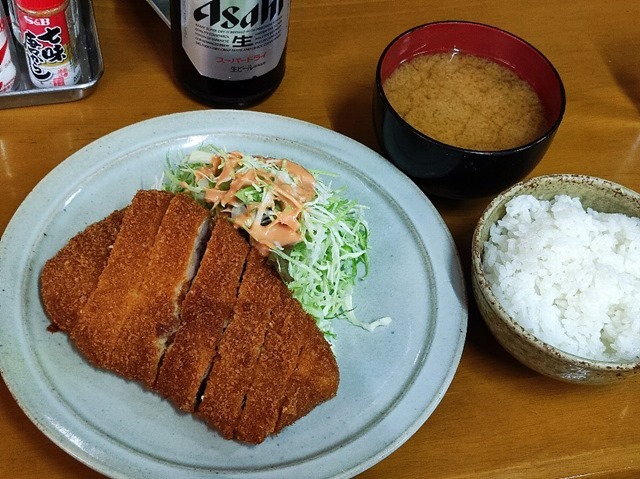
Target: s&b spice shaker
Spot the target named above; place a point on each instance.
(48, 37)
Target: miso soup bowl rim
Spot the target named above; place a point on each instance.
(508, 151)
(483, 285)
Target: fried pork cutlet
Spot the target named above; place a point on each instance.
(273, 364)
(68, 279)
(237, 337)
(206, 311)
(273, 371)
(315, 378)
(101, 319)
(240, 346)
(155, 314)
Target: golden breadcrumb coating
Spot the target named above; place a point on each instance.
(154, 315)
(69, 278)
(101, 319)
(206, 310)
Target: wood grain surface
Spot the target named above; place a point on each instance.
(498, 418)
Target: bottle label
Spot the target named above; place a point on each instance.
(47, 45)
(234, 40)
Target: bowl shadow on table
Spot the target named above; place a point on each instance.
(353, 118)
(624, 69)
(480, 339)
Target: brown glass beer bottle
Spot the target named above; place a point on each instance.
(229, 53)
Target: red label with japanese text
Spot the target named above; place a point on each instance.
(48, 49)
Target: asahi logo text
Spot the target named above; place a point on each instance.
(262, 12)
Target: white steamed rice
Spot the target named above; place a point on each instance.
(568, 275)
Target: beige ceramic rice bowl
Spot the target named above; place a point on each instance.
(522, 342)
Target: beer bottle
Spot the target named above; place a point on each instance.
(229, 53)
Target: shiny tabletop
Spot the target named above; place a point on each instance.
(498, 419)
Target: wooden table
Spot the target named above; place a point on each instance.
(498, 418)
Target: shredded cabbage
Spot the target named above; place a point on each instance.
(322, 269)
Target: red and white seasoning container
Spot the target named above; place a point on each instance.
(48, 37)
(7, 67)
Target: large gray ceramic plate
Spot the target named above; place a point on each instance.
(391, 379)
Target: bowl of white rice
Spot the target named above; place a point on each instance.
(556, 276)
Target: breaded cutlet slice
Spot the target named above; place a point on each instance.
(232, 372)
(279, 357)
(100, 321)
(154, 315)
(206, 311)
(315, 378)
(68, 279)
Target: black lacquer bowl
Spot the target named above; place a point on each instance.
(445, 170)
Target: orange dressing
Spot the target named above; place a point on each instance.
(282, 204)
